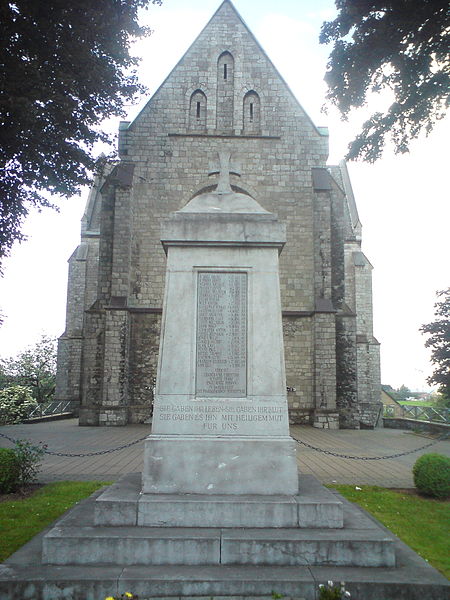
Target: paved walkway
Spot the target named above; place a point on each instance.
(67, 437)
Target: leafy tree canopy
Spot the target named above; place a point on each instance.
(439, 400)
(16, 402)
(403, 392)
(439, 342)
(401, 45)
(65, 67)
(33, 368)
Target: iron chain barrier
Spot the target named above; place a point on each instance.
(329, 452)
(443, 437)
(72, 455)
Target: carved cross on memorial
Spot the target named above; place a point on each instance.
(224, 168)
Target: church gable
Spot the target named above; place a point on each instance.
(225, 85)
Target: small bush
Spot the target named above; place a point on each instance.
(29, 458)
(432, 475)
(20, 465)
(9, 471)
(16, 403)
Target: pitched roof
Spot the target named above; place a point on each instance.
(219, 14)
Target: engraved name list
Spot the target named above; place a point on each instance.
(221, 362)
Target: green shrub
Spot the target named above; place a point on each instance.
(9, 471)
(16, 402)
(432, 475)
(20, 465)
(29, 458)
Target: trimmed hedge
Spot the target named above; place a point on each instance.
(432, 475)
(9, 471)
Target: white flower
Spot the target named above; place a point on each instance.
(330, 584)
(357, 488)
(347, 594)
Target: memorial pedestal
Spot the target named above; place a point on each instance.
(220, 419)
(201, 465)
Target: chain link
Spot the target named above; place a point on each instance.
(72, 455)
(336, 454)
(349, 456)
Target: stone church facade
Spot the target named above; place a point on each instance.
(224, 95)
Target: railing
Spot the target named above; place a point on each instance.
(420, 413)
(54, 407)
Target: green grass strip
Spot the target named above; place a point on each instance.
(22, 519)
(422, 523)
(416, 403)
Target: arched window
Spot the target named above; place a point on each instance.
(225, 93)
(197, 111)
(252, 113)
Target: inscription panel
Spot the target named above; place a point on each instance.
(221, 359)
(225, 418)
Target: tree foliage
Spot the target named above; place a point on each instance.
(33, 368)
(403, 392)
(16, 403)
(65, 67)
(439, 342)
(439, 400)
(401, 45)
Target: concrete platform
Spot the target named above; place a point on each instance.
(123, 504)
(23, 575)
(104, 541)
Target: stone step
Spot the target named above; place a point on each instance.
(131, 546)
(358, 548)
(204, 546)
(123, 504)
(412, 581)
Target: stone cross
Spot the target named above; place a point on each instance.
(224, 168)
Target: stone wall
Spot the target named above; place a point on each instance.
(416, 425)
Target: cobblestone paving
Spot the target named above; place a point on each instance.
(67, 437)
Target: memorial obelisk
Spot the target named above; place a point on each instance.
(220, 421)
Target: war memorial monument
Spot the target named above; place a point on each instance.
(220, 510)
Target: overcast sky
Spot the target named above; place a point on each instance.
(403, 201)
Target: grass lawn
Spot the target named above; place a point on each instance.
(422, 523)
(416, 403)
(22, 518)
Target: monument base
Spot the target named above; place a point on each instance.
(87, 560)
(177, 464)
(123, 504)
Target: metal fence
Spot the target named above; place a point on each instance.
(54, 407)
(420, 413)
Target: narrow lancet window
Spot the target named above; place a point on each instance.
(252, 113)
(225, 93)
(197, 111)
